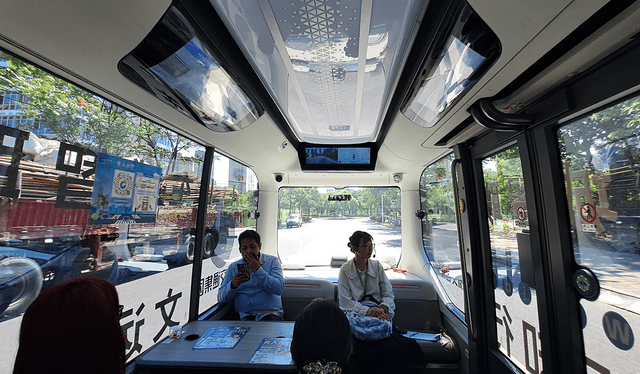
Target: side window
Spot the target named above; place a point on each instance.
(105, 193)
(439, 228)
(232, 197)
(516, 300)
(601, 156)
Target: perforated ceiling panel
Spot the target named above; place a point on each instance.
(337, 60)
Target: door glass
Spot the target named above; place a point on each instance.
(439, 228)
(601, 156)
(516, 304)
(232, 196)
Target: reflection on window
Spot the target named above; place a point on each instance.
(106, 194)
(211, 93)
(601, 156)
(232, 197)
(175, 65)
(439, 228)
(449, 80)
(469, 49)
(314, 230)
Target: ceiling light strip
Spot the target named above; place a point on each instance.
(286, 59)
(363, 45)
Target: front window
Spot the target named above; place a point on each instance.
(315, 224)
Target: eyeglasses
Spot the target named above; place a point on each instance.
(120, 310)
(373, 246)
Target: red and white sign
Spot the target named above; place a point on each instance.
(522, 214)
(588, 212)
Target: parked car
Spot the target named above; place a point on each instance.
(294, 220)
(30, 266)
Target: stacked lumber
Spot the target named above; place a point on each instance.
(39, 181)
(171, 190)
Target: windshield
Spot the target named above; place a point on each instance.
(329, 219)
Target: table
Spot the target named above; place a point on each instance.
(178, 353)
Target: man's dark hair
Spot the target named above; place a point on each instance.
(249, 234)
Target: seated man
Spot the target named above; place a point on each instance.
(254, 282)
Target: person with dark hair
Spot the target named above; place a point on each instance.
(322, 340)
(255, 282)
(364, 289)
(363, 286)
(73, 327)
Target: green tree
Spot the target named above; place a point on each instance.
(161, 145)
(308, 199)
(607, 142)
(508, 175)
(78, 117)
(598, 131)
(436, 186)
(73, 114)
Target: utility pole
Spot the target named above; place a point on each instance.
(382, 209)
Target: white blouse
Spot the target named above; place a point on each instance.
(353, 284)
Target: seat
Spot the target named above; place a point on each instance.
(418, 309)
(299, 292)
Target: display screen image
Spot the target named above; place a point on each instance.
(338, 156)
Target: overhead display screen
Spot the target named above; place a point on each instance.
(316, 157)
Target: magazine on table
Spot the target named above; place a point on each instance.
(221, 337)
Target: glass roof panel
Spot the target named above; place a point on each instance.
(469, 50)
(184, 73)
(331, 65)
(449, 80)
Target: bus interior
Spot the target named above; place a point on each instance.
(491, 148)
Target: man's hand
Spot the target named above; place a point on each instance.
(253, 262)
(238, 279)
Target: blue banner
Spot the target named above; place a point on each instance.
(124, 191)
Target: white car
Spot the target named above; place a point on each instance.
(294, 220)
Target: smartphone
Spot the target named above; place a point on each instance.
(243, 268)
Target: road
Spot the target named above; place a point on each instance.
(316, 242)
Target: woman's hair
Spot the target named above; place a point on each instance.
(74, 327)
(321, 333)
(249, 234)
(358, 238)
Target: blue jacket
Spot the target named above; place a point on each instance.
(261, 293)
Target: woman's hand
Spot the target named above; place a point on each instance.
(378, 312)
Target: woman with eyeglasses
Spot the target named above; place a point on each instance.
(362, 284)
(365, 290)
